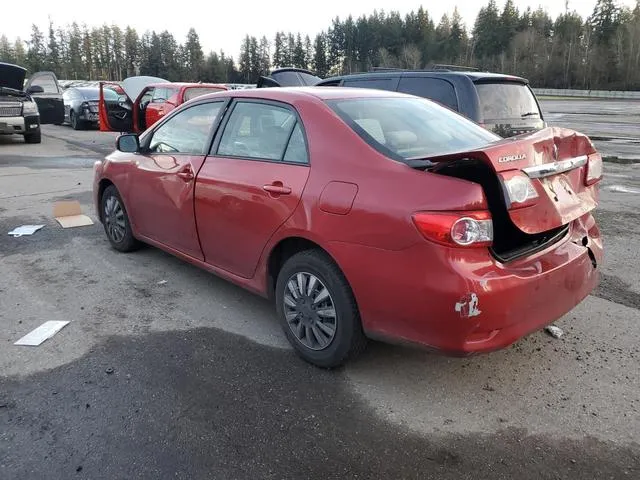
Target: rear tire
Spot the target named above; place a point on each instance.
(323, 322)
(35, 137)
(116, 221)
(75, 123)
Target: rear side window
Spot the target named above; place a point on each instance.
(297, 149)
(411, 128)
(506, 101)
(194, 92)
(287, 78)
(377, 83)
(263, 132)
(435, 89)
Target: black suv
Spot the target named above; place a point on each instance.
(24, 108)
(503, 104)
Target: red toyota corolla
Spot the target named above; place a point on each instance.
(364, 213)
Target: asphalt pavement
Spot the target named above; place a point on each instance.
(166, 371)
(614, 125)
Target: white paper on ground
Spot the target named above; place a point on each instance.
(25, 230)
(42, 333)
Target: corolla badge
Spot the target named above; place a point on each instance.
(512, 158)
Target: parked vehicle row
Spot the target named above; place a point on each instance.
(145, 101)
(364, 213)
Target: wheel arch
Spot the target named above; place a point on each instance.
(285, 249)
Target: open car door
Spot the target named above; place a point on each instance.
(114, 115)
(120, 113)
(46, 92)
(288, 77)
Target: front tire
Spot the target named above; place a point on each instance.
(116, 221)
(318, 311)
(35, 137)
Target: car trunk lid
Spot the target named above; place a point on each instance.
(554, 162)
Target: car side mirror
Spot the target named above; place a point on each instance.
(35, 89)
(128, 143)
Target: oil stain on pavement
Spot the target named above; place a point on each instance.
(209, 404)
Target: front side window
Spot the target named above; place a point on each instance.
(410, 128)
(257, 130)
(186, 132)
(160, 95)
(47, 82)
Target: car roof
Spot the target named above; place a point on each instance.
(472, 75)
(85, 89)
(289, 94)
(188, 85)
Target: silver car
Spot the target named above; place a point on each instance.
(81, 105)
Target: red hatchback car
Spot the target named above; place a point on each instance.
(364, 213)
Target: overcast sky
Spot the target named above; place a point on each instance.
(223, 24)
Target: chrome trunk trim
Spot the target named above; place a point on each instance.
(548, 169)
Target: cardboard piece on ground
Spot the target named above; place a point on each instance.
(69, 215)
(42, 333)
(25, 230)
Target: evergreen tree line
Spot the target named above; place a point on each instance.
(601, 51)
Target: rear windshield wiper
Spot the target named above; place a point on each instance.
(530, 114)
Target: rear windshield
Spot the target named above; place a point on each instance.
(109, 94)
(197, 91)
(92, 93)
(411, 128)
(499, 101)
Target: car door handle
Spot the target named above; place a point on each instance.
(186, 174)
(277, 189)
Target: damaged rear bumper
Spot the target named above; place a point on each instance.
(465, 301)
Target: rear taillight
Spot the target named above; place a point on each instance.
(519, 189)
(456, 229)
(594, 169)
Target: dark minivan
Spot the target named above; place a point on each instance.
(504, 104)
